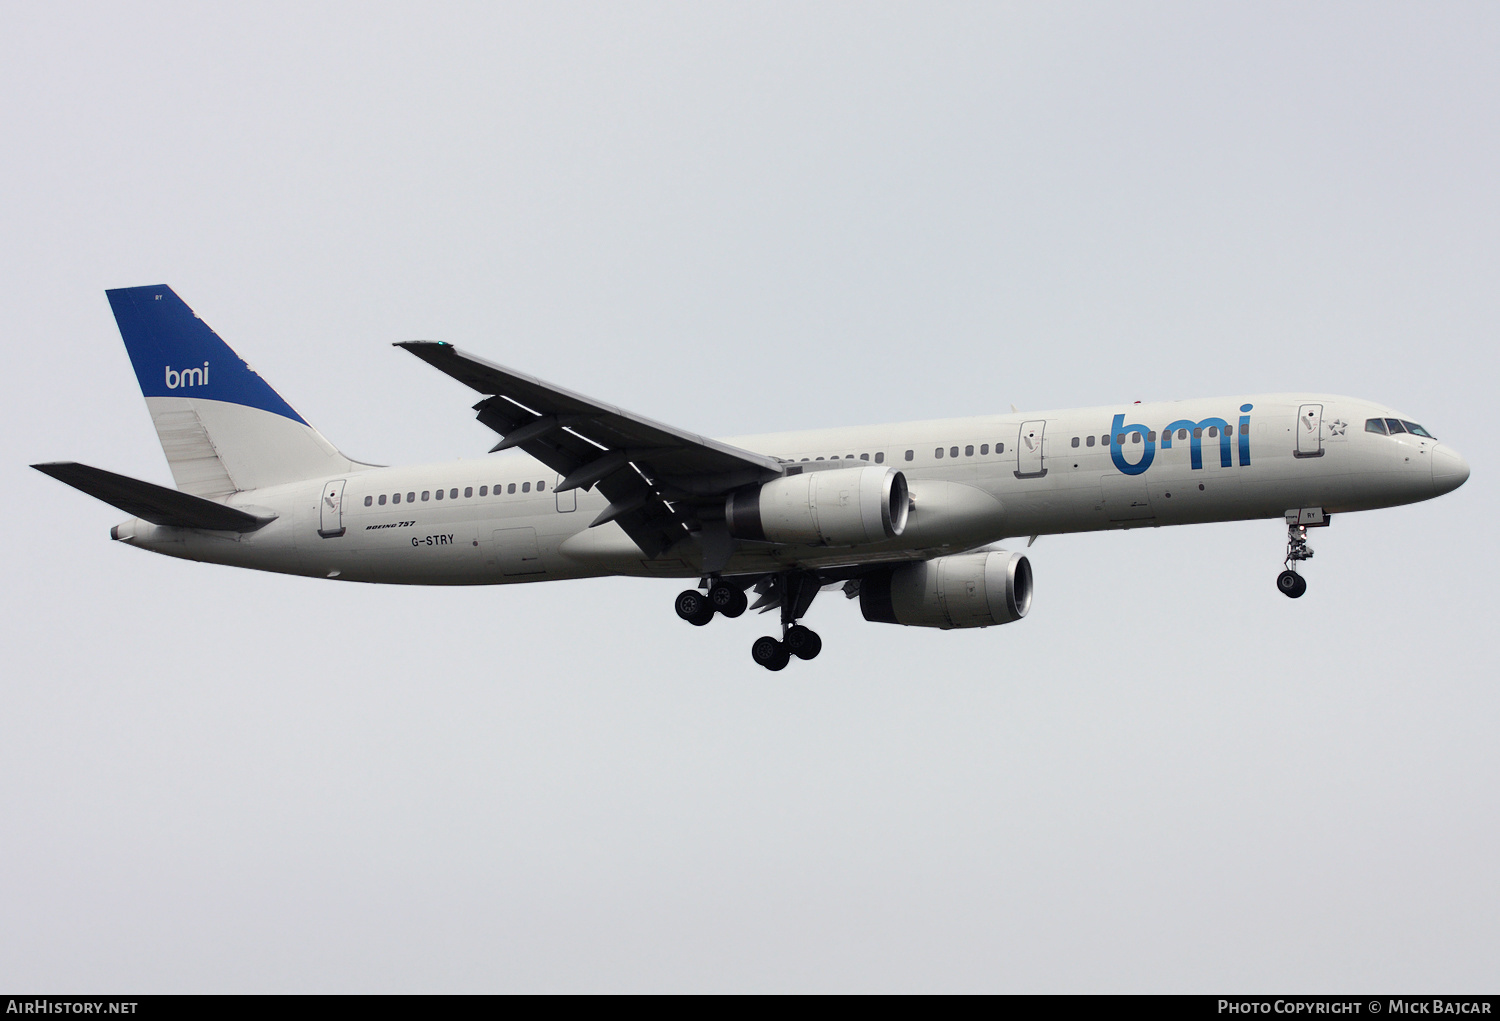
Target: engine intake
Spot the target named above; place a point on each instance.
(965, 590)
(839, 507)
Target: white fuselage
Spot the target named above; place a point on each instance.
(973, 481)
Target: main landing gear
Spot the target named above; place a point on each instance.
(699, 608)
(799, 641)
(1292, 584)
(792, 591)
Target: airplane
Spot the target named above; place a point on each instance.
(907, 518)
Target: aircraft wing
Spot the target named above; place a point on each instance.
(654, 475)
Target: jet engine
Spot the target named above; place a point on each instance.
(838, 507)
(964, 590)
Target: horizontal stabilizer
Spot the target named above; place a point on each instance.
(150, 502)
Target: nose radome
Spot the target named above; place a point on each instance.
(1449, 470)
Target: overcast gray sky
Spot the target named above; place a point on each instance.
(742, 218)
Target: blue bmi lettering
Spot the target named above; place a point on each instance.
(1195, 430)
(1117, 433)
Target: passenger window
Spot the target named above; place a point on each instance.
(1135, 437)
(396, 498)
(849, 456)
(864, 457)
(1198, 433)
(969, 450)
(1182, 434)
(804, 459)
(953, 452)
(908, 455)
(984, 448)
(1150, 436)
(820, 459)
(1104, 441)
(938, 452)
(369, 500)
(484, 490)
(511, 488)
(541, 485)
(999, 448)
(880, 457)
(1075, 441)
(1120, 439)
(468, 492)
(526, 487)
(425, 494)
(453, 494)
(1375, 425)
(439, 495)
(382, 499)
(1395, 426)
(412, 497)
(1229, 430)
(1088, 441)
(1213, 432)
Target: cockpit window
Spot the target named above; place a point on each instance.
(1395, 426)
(1375, 425)
(1417, 430)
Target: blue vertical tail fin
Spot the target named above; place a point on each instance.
(222, 427)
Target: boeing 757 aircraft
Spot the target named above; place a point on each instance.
(904, 517)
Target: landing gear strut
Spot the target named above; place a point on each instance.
(796, 590)
(1292, 584)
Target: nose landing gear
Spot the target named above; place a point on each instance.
(1292, 584)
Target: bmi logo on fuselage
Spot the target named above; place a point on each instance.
(187, 377)
(1195, 431)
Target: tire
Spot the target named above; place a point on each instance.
(770, 653)
(803, 642)
(1291, 584)
(692, 607)
(728, 600)
(741, 604)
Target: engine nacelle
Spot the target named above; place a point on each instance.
(839, 507)
(965, 590)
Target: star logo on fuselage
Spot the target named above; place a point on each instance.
(1337, 427)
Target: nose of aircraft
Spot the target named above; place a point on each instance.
(1449, 469)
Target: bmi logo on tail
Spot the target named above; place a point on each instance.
(187, 377)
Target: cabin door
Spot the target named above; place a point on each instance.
(331, 510)
(1310, 430)
(1029, 463)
